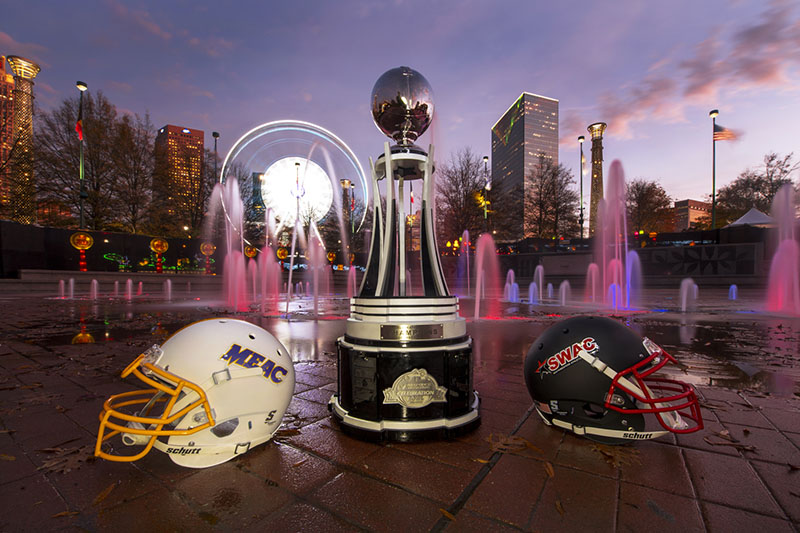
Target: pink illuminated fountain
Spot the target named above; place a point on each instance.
(783, 289)
(293, 169)
(487, 277)
(617, 268)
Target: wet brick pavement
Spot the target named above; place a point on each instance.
(742, 473)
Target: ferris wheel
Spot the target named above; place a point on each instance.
(297, 168)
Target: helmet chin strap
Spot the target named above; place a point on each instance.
(670, 418)
(603, 432)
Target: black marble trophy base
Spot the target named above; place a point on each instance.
(405, 381)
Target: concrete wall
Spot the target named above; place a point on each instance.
(24, 246)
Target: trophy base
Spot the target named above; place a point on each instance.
(405, 371)
(405, 430)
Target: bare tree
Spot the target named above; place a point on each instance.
(649, 207)
(459, 187)
(57, 158)
(551, 206)
(752, 188)
(133, 159)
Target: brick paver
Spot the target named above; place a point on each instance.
(742, 473)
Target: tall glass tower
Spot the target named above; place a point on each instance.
(527, 129)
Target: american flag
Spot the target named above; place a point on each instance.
(724, 134)
(79, 122)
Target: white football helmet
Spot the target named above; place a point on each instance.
(216, 389)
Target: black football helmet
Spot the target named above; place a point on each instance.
(594, 377)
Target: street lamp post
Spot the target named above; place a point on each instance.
(83, 194)
(352, 223)
(486, 188)
(713, 114)
(215, 134)
(580, 217)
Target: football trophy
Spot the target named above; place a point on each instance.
(405, 361)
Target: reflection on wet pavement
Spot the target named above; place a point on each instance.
(718, 346)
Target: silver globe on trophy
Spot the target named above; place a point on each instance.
(405, 361)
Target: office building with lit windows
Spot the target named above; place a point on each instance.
(179, 160)
(528, 128)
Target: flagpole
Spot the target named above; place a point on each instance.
(83, 194)
(713, 114)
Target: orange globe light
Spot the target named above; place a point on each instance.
(207, 248)
(282, 253)
(331, 256)
(81, 240)
(250, 251)
(83, 338)
(159, 246)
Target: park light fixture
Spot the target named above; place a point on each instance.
(81, 85)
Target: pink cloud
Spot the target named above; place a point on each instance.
(212, 46)
(138, 18)
(120, 86)
(176, 85)
(31, 51)
(756, 54)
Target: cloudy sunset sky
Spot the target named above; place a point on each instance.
(651, 70)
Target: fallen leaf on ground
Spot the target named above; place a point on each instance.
(69, 459)
(560, 508)
(725, 434)
(447, 514)
(534, 448)
(103, 495)
(484, 461)
(742, 447)
(298, 463)
(65, 513)
(5, 457)
(505, 443)
(510, 444)
(549, 469)
(618, 456)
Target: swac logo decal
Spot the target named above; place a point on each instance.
(250, 359)
(184, 451)
(567, 356)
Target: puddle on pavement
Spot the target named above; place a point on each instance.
(725, 349)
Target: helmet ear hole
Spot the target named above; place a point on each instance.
(593, 410)
(225, 428)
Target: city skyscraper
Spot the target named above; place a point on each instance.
(6, 130)
(22, 190)
(179, 161)
(528, 129)
(596, 130)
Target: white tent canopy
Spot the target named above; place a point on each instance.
(754, 217)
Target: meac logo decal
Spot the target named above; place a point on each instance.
(249, 359)
(566, 356)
